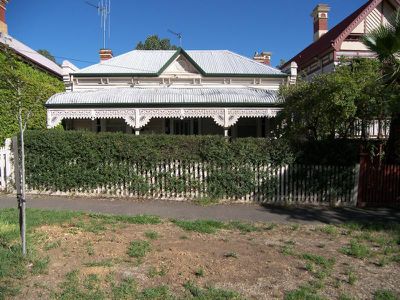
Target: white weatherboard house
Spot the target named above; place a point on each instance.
(172, 92)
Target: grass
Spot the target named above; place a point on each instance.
(198, 293)
(385, 295)
(139, 249)
(356, 249)
(305, 292)
(40, 266)
(202, 226)
(330, 229)
(243, 227)
(153, 272)
(52, 245)
(89, 248)
(152, 235)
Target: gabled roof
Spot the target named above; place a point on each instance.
(162, 96)
(334, 37)
(31, 55)
(153, 62)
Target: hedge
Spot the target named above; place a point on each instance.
(78, 160)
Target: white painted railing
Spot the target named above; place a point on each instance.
(5, 165)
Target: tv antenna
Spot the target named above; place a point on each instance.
(178, 35)
(104, 10)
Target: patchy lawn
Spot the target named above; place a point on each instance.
(83, 256)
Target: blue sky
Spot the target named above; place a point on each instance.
(70, 28)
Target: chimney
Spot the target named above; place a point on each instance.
(263, 57)
(320, 16)
(105, 54)
(3, 24)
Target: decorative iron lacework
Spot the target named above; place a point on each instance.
(139, 117)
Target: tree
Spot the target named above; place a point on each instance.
(47, 54)
(153, 42)
(22, 92)
(329, 105)
(385, 42)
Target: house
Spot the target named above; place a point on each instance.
(24, 52)
(343, 40)
(171, 92)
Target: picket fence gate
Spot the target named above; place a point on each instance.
(5, 166)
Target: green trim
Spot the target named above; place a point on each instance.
(162, 105)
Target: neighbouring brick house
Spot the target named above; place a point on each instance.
(343, 40)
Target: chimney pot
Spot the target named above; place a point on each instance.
(320, 16)
(263, 57)
(105, 54)
(3, 23)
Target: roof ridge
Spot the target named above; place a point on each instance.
(254, 61)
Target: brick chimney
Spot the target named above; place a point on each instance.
(263, 57)
(320, 16)
(3, 23)
(105, 54)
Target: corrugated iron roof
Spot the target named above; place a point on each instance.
(30, 54)
(165, 96)
(153, 62)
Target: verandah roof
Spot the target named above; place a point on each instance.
(166, 96)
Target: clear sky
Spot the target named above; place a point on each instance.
(71, 28)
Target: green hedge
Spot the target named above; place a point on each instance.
(78, 160)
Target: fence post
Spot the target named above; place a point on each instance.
(361, 201)
(354, 197)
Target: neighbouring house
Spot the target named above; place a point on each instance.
(24, 52)
(171, 92)
(343, 40)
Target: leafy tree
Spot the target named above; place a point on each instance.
(385, 41)
(153, 42)
(329, 105)
(47, 54)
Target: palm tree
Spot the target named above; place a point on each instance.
(385, 42)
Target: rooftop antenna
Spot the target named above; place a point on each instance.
(178, 35)
(104, 10)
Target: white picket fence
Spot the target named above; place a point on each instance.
(5, 165)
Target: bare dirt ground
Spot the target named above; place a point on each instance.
(265, 262)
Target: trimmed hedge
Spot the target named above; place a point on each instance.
(79, 160)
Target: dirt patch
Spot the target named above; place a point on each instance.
(263, 264)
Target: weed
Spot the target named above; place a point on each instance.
(52, 245)
(295, 227)
(153, 272)
(270, 226)
(287, 250)
(356, 249)
(319, 260)
(352, 276)
(126, 289)
(152, 235)
(102, 263)
(205, 201)
(385, 295)
(329, 229)
(346, 297)
(231, 254)
(199, 272)
(243, 227)
(40, 266)
(156, 293)
(383, 261)
(203, 226)
(89, 248)
(303, 293)
(139, 249)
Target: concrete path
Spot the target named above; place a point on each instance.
(186, 210)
